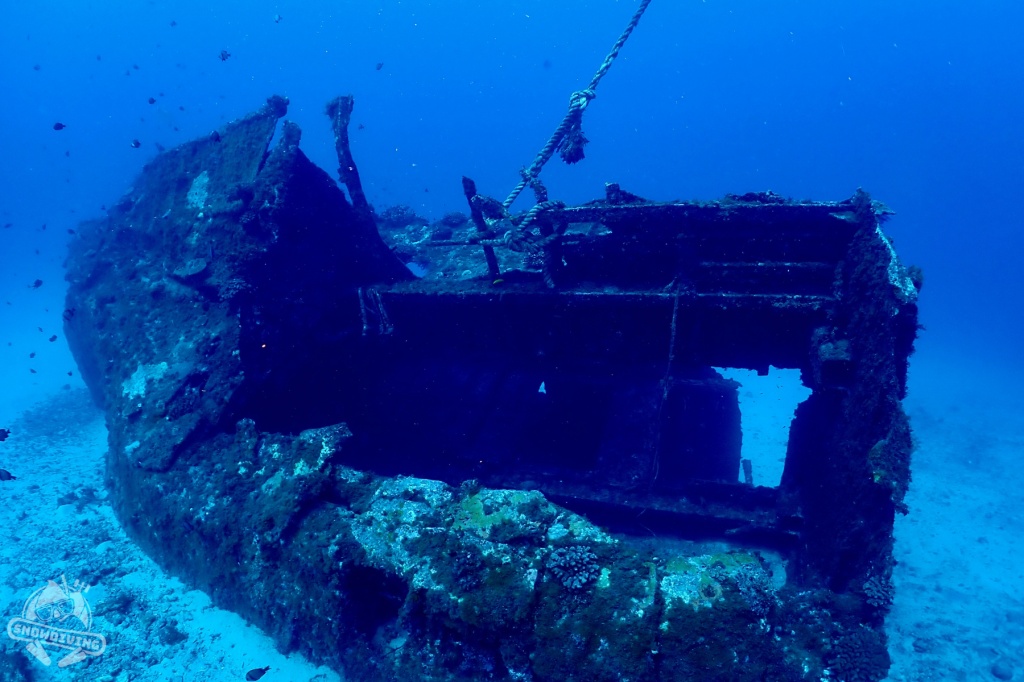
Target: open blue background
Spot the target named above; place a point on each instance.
(919, 102)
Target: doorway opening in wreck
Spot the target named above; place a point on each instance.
(767, 405)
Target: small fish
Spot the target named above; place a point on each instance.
(36, 284)
(36, 67)
(152, 100)
(53, 338)
(380, 65)
(173, 23)
(32, 370)
(224, 56)
(214, 136)
(6, 475)
(256, 673)
(59, 126)
(277, 20)
(4, 433)
(70, 231)
(70, 373)
(136, 144)
(31, 355)
(135, 66)
(7, 225)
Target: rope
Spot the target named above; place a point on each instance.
(536, 211)
(568, 138)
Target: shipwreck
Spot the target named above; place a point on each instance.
(520, 463)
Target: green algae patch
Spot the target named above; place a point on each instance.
(505, 515)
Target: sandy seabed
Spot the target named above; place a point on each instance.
(959, 607)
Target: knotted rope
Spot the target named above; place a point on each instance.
(568, 137)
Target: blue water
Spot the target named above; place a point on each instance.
(919, 102)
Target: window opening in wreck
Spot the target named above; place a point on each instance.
(767, 406)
